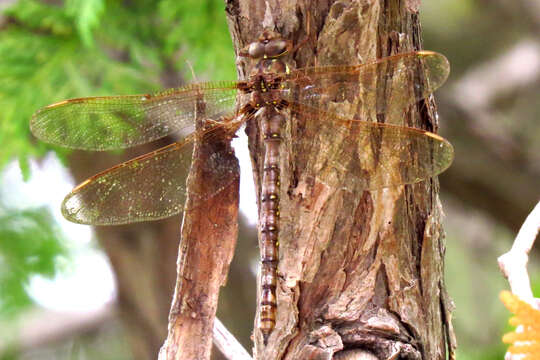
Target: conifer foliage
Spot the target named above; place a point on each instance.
(54, 50)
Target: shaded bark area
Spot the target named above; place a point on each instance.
(358, 269)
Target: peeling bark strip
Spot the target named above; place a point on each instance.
(357, 269)
(209, 233)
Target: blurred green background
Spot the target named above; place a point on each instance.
(53, 50)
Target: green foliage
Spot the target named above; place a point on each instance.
(87, 15)
(198, 28)
(37, 16)
(97, 47)
(86, 48)
(481, 352)
(29, 245)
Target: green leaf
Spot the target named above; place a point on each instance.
(87, 14)
(46, 57)
(30, 244)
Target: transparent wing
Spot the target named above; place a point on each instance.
(384, 87)
(150, 187)
(360, 155)
(102, 123)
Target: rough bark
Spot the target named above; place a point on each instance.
(209, 233)
(357, 270)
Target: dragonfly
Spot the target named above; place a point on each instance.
(372, 155)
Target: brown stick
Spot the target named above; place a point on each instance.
(209, 234)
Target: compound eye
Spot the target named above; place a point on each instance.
(256, 50)
(275, 47)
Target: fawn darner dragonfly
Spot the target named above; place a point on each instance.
(126, 193)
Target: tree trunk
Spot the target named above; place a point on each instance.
(357, 270)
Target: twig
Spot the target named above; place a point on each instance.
(227, 343)
(513, 264)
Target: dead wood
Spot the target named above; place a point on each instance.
(209, 233)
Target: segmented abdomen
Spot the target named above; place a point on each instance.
(269, 224)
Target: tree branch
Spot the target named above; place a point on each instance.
(209, 233)
(513, 264)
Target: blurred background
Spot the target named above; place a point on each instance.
(59, 295)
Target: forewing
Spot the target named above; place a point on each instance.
(359, 155)
(102, 123)
(372, 91)
(150, 187)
